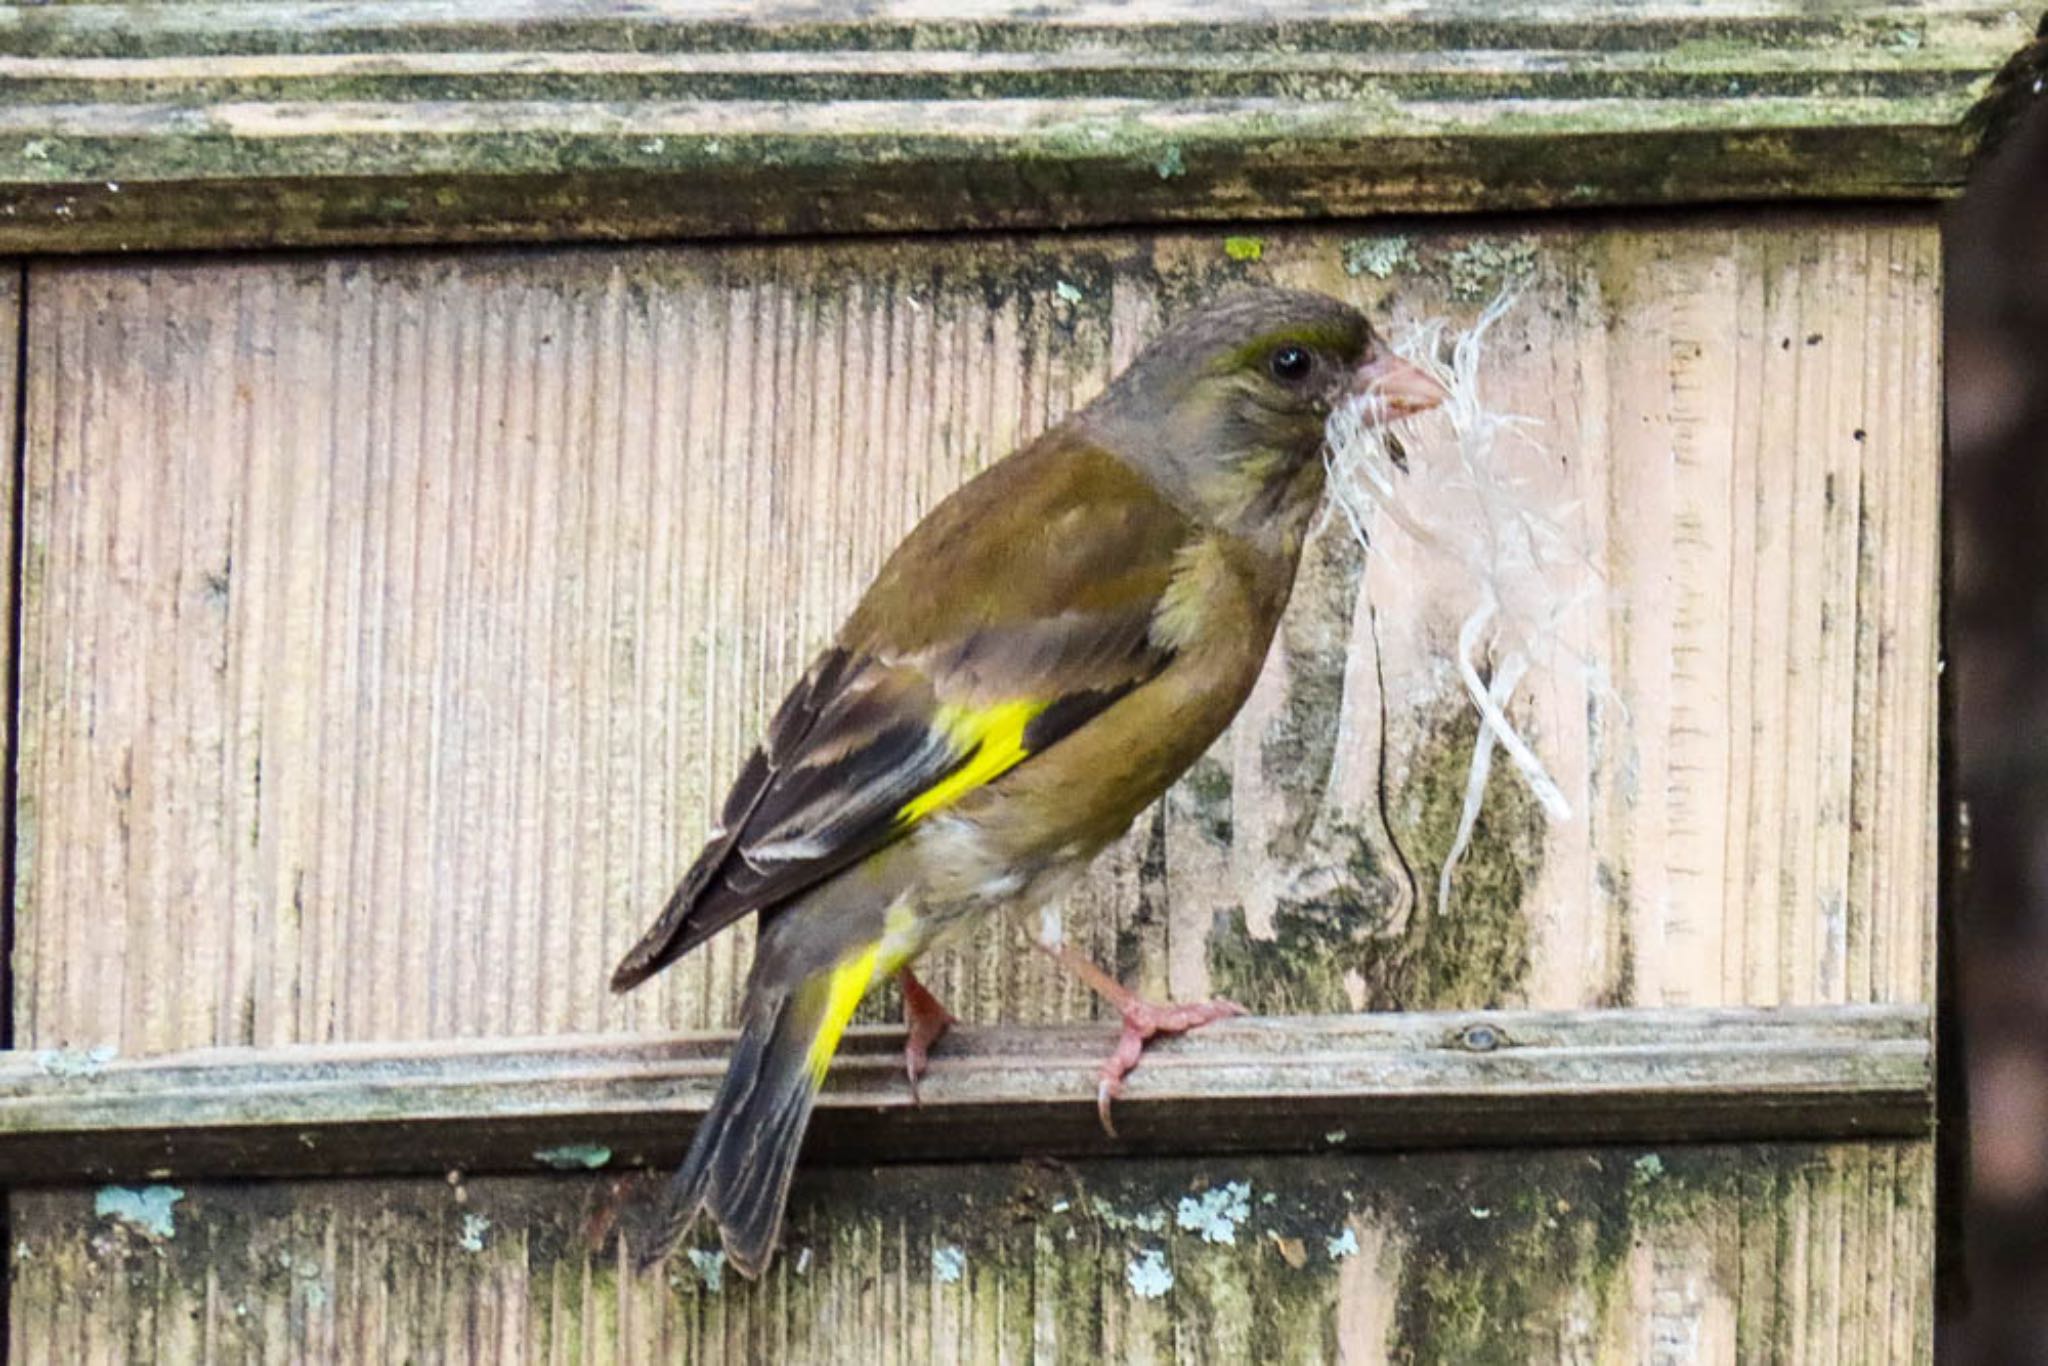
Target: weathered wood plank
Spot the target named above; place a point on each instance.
(1661, 1255)
(1300, 1084)
(393, 623)
(11, 323)
(297, 123)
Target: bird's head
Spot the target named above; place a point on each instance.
(1225, 410)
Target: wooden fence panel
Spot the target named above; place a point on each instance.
(390, 623)
(290, 123)
(1700, 1254)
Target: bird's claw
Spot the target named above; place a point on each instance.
(926, 1022)
(1144, 1021)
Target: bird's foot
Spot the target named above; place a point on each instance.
(1144, 1021)
(927, 1022)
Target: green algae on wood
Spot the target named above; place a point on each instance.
(1490, 1256)
(1378, 257)
(1476, 954)
(113, 194)
(1484, 267)
(702, 127)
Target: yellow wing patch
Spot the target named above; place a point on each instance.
(993, 739)
(849, 982)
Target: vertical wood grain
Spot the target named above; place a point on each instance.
(11, 278)
(393, 623)
(1706, 1255)
(10, 594)
(1739, 426)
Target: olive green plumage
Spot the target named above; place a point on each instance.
(1048, 650)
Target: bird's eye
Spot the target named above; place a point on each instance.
(1291, 364)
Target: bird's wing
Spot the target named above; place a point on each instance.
(1020, 608)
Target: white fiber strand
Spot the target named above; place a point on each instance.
(1503, 686)
(1507, 552)
(1491, 697)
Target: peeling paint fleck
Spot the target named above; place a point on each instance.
(1148, 1274)
(1170, 163)
(1343, 1245)
(147, 1210)
(474, 1227)
(1335, 1136)
(76, 1062)
(1068, 294)
(1217, 1212)
(949, 1263)
(1649, 1167)
(710, 1268)
(574, 1156)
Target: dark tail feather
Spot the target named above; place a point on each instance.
(740, 1163)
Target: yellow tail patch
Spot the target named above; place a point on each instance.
(849, 982)
(993, 739)
(850, 979)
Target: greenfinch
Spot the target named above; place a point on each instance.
(1037, 661)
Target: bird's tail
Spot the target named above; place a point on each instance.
(740, 1163)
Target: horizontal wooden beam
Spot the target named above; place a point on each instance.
(279, 122)
(1295, 1084)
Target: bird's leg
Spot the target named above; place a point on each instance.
(927, 1022)
(1143, 1021)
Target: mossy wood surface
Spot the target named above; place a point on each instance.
(1304, 1083)
(256, 124)
(1756, 1254)
(392, 624)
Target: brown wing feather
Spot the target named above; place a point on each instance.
(836, 732)
(1037, 580)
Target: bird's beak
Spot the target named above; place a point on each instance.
(1398, 388)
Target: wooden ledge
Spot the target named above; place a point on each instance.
(1294, 1084)
(273, 123)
